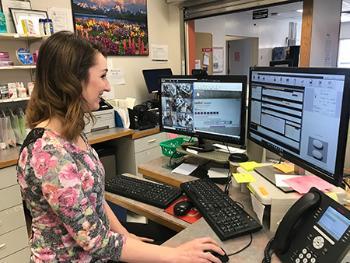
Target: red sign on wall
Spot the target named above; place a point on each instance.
(207, 49)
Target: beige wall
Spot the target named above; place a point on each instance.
(163, 29)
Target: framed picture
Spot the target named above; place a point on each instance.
(26, 21)
(120, 26)
(6, 5)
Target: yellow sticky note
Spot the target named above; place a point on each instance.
(249, 166)
(333, 196)
(243, 178)
(284, 167)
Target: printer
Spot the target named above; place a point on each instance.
(104, 118)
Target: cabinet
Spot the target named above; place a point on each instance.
(132, 152)
(13, 229)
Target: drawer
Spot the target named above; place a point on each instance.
(8, 176)
(10, 197)
(13, 241)
(146, 156)
(149, 142)
(22, 256)
(11, 219)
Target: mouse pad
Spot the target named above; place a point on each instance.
(192, 216)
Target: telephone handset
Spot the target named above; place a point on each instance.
(315, 229)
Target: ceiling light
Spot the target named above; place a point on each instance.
(300, 10)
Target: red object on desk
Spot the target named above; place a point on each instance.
(192, 216)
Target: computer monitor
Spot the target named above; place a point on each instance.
(302, 114)
(152, 78)
(211, 108)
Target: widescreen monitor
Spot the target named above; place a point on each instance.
(152, 78)
(302, 114)
(211, 108)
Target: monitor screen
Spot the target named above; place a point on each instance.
(152, 78)
(301, 114)
(211, 108)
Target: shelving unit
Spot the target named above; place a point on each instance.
(13, 233)
(18, 67)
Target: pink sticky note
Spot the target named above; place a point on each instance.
(302, 184)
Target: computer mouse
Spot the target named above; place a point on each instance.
(182, 208)
(223, 258)
(238, 157)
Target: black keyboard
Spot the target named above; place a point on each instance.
(224, 215)
(159, 195)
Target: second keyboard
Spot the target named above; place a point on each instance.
(224, 215)
(158, 195)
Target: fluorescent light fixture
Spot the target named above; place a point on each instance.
(300, 10)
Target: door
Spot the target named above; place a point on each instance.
(242, 54)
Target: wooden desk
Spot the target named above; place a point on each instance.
(254, 253)
(151, 212)
(156, 170)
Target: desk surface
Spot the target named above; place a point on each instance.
(156, 170)
(154, 213)
(254, 253)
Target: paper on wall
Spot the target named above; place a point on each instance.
(60, 19)
(159, 52)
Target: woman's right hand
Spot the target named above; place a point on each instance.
(195, 251)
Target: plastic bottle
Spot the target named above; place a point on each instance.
(48, 27)
(42, 26)
(2, 23)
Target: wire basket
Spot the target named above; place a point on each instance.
(169, 147)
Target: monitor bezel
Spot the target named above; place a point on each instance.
(146, 72)
(337, 177)
(221, 138)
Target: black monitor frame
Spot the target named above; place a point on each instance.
(202, 135)
(337, 177)
(147, 73)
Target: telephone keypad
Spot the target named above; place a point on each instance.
(306, 255)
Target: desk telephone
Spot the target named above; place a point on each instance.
(315, 229)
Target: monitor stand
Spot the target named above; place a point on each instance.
(268, 172)
(201, 146)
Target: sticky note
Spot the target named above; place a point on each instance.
(302, 184)
(332, 195)
(263, 190)
(284, 167)
(243, 178)
(249, 166)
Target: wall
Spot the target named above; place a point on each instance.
(345, 30)
(325, 33)
(163, 29)
(271, 32)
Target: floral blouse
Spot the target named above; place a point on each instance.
(63, 187)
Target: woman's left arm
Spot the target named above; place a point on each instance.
(115, 225)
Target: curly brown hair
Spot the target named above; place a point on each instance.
(63, 64)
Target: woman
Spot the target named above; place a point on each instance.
(60, 175)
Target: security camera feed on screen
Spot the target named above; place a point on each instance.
(194, 106)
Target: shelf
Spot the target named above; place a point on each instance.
(14, 100)
(18, 67)
(14, 36)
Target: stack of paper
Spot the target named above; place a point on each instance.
(218, 173)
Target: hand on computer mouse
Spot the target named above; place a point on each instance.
(198, 249)
(224, 258)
